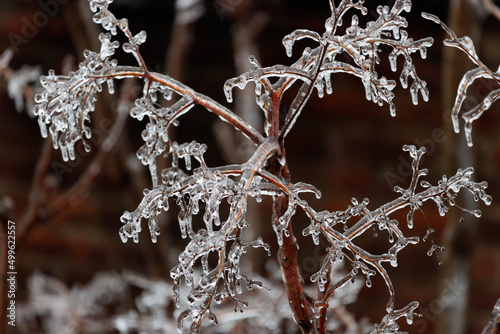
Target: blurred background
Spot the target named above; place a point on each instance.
(67, 221)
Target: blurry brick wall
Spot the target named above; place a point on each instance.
(343, 144)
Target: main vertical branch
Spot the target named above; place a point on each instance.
(287, 254)
(287, 257)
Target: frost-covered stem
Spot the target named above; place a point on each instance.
(325, 296)
(287, 254)
(335, 237)
(366, 222)
(203, 100)
(211, 105)
(320, 319)
(287, 257)
(37, 192)
(274, 115)
(263, 153)
(130, 36)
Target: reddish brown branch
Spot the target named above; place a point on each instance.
(287, 258)
(203, 100)
(492, 8)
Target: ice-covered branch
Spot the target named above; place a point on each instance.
(326, 223)
(216, 240)
(64, 107)
(210, 186)
(466, 45)
(360, 44)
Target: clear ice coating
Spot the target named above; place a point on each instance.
(210, 263)
(327, 223)
(63, 108)
(361, 44)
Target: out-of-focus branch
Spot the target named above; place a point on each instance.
(84, 33)
(464, 19)
(186, 14)
(246, 31)
(38, 191)
(347, 319)
(492, 8)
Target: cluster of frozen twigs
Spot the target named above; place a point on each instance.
(210, 262)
